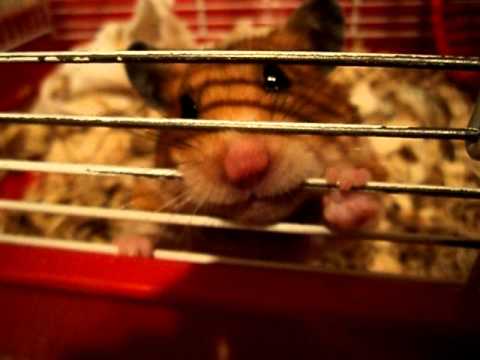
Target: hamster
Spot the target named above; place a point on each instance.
(257, 178)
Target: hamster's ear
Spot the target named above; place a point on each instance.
(148, 79)
(321, 22)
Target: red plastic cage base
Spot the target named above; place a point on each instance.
(59, 304)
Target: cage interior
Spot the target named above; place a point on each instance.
(395, 26)
(375, 26)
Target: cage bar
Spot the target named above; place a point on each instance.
(311, 183)
(243, 56)
(327, 129)
(219, 223)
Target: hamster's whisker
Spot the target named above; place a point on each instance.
(186, 228)
(208, 194)
(198, 206)
(180, 200)
(185, 199)
(201, 201)
(171, 202)
(206, 206)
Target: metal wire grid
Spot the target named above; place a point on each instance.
(470, 135)
(22, 21)
(210, 20)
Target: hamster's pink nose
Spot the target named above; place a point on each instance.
(246, 162)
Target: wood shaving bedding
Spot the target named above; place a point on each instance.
(97, 90)
(420, 98)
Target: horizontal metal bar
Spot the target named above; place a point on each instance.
(155, 217)
(159, 254)
(195, 258)
(237, 56)
(312, 183)
(214, 222)
(398, 188)
(202, 258)
(327, 129)
(75, 245)
(86, 169)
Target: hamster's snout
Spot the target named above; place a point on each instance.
(246, 162)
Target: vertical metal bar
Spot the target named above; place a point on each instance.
(202, 19)
(473, 146)
(355, 24)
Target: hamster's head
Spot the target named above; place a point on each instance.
(245, 176)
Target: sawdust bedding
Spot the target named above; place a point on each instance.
(386, 96)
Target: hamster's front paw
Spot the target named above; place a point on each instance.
(140, 246)
(346, 210)
(349, 211)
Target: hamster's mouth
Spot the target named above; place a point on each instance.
(261, 210)
(253, 198)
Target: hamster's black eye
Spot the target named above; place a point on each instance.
(274, 79)
(188, 107)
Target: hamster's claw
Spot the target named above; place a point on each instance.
(134, 246)
(347, 177)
